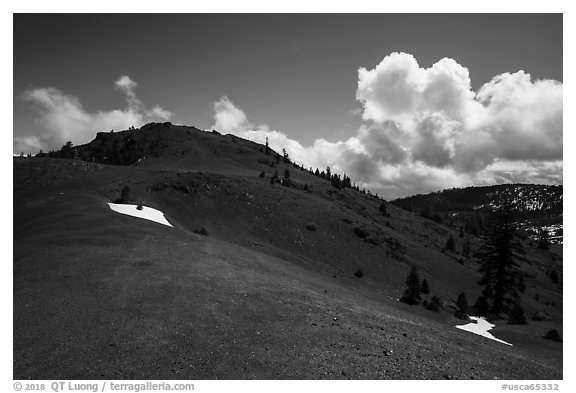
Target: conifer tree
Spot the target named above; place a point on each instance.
(466, 248)
(498, 256)
(412, 293)
(543, 239)
(517, 317)
(462, 306)
(274, 177)
(66, 151)
(424, 288)
(482, 306)
(125, 195)
(450, 243)
(383, 209)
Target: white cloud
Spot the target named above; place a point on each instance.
(228, 118)
(426, 129)
(510, 118)
(28, 144)
(63, 118)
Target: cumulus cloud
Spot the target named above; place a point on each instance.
(27, 144)
(427, 129)
(228, 118)
(510, 118)
(62, 117)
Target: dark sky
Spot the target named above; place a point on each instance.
(294, 72)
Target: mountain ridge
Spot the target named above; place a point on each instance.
(303, 267)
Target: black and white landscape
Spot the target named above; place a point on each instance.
(296, 196)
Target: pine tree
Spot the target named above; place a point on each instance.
(383, 209)
(450, 243)
(462, 306)
(67, 151)
(517, 317)
(466, 248)
(424, 288)
(125, 195)
(412, 293)
(543, 239)
(286, 174)
(285, 156)
(482, 306)
(274, 177)
(501, 276)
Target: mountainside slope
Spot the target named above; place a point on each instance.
(537, 207)
(291, 282)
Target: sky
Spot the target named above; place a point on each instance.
(402, 103)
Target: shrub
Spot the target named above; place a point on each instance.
(361, 232)
(347, 220)
(359, 273)
(139, 207)
(311, 227)
(201, 231)
(435, 304)
(517, 317)
(262, 174)
(553, 335)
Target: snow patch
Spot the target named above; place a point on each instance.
(146, 213)
(481, 328)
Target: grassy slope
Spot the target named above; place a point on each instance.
(101, 295)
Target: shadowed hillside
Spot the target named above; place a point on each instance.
(294, 276)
